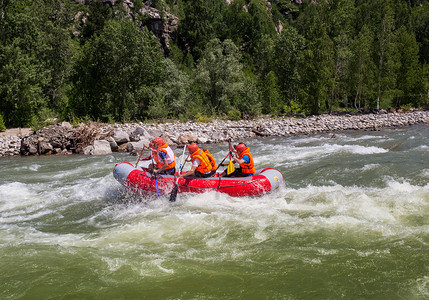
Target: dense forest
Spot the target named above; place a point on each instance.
(99, 60)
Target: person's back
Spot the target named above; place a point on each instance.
(201, 166)
(212, 161)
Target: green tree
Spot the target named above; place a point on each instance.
(317, 69)
(271, 98)
(23, 74)
(385, 50)
(409, 81)
(175, 90)
(261, 25)
(58, 49)
(21, 81)
(380, 18)
(58, 57)
(2, 126)
(202, 22)
(98, 14)
(341, 17)
(221, 80)
(361, 78)
(287, 58)
(420, 25)
(238, 22)
(117, 72)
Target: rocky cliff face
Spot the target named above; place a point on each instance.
(162, 23)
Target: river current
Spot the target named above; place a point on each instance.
(351, 222)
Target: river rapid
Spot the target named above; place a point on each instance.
(351, 222)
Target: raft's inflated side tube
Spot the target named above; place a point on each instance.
(273, 175)
(121, 172)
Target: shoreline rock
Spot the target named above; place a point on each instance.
(95, 138)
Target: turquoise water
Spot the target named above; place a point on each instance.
(351, 222)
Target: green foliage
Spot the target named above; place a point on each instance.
(361, 78)
(288, 57)
(203, 118)
(158, 107)
(233, 59)
(234, 114)
(176, 88)
(202, 22)
(317, 69)
(293, 108)
(45, 117)
(21, 82)
(111, 78)
(220, 76)
(409, 82)
(271, 99)
(98, 15)
(138, 4)
(2, 126)
(420, 25)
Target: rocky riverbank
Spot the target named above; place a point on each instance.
(98, 139)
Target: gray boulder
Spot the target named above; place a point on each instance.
(88, 150)
(101, 147)
(138, 133)
(188, 138)
(121, 137)
(154, 133)
(113, 144)
(135, 146)
(45, 148)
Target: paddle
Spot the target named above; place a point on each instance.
(140, 156)
(154, 174)
(221, 163)
(173, 194)
(231, 167)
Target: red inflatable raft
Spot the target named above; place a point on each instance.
(141, 181)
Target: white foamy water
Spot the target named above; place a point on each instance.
(353, 208)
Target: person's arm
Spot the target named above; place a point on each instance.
(163, 157)
(195, 163)
(146, 158)
(189, 173)
(164, 166)
(245, 159)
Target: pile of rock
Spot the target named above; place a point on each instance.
(53, 139)
(220, 130)
(98, 139)
(10, 146)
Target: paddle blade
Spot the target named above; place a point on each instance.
(173, 194)
(231, 168)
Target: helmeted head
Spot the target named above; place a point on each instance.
(192, 148)
(158, 141)
(240, 147)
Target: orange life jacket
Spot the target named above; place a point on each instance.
(171, 158)
(250, 167)
(155, 157)
(211, 159)
(205, 165)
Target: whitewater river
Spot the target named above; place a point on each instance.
(351, 222)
